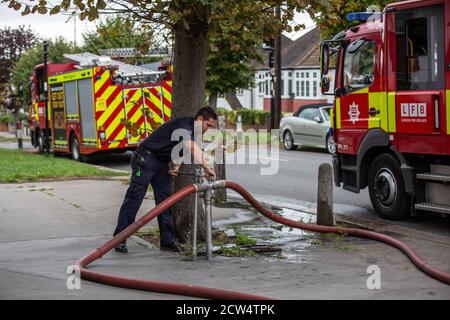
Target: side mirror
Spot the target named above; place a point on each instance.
(317, 119)
(325, 84)
(324, 58)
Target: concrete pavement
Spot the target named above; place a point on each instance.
(47, 226)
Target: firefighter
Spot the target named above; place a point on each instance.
(150, 165)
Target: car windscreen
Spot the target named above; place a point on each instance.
(326, 113)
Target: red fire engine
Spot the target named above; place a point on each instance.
(96, 104)
(391, 115)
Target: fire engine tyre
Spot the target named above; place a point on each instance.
(75, 147)
(288, 141)
(40, 141)
(387, 189)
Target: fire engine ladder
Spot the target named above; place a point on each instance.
(442, 182)
(87, 59)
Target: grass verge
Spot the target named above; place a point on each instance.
(17, 166)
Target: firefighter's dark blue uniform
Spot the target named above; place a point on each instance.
(150, 165)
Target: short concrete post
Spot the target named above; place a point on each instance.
(325, 216)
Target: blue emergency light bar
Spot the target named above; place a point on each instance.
(363, 16)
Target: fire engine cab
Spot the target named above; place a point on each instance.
(391, 114)
(96, 104)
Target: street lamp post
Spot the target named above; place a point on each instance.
(47, 142)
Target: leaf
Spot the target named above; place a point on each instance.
(26, 11)
(55, 10)
(42, 10)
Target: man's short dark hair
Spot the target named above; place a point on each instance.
(207, 113)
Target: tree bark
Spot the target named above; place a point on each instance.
(212, 101)
(234, 102)
(190, 58)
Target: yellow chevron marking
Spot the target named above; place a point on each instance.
(113, 145)
(100, 82)
(167, 95)
(109, 110)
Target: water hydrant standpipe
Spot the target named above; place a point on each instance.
(212, 293)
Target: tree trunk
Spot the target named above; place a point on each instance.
(234, 102)
(213, 101)
(190, 57)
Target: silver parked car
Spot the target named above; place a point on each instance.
(308, 126)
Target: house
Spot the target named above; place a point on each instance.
(300, 84)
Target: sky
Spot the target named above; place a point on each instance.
(56, 25)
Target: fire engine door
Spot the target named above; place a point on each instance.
(58, 122)
(361, 105)
(142, 110)
(420, 63)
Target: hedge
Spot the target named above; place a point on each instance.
(250, 117)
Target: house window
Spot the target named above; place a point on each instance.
(307, 88)
(282, 87)
(290, 74)
(314, 74)
(298, 74)
(297, 88)
(314, 88)
(303, 74)
(260, 87)
(267, 87)
(307, 74)
(290, 87)
(303, 88)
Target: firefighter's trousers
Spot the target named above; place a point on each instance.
(148, 169)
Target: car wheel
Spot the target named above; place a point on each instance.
(331, 145)
(288, 141)
(75, 147)
(387, 189)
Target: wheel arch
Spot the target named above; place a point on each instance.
(72, 134)
(375, 142)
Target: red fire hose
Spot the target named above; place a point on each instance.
(211, 293)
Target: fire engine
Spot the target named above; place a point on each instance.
(391, 114)
(96, 104)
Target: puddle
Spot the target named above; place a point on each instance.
(292, 242)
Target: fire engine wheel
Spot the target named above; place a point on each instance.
(288, 141)
(40, 142)
(75, 147)
(387, 188)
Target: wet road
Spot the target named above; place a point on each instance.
(294, 185)
(294, 182)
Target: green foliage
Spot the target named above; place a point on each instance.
(244, 240)
(119, 32)
(236, 252)
(248, 116)
(331, 15)
(23, 69)
(7, 118)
